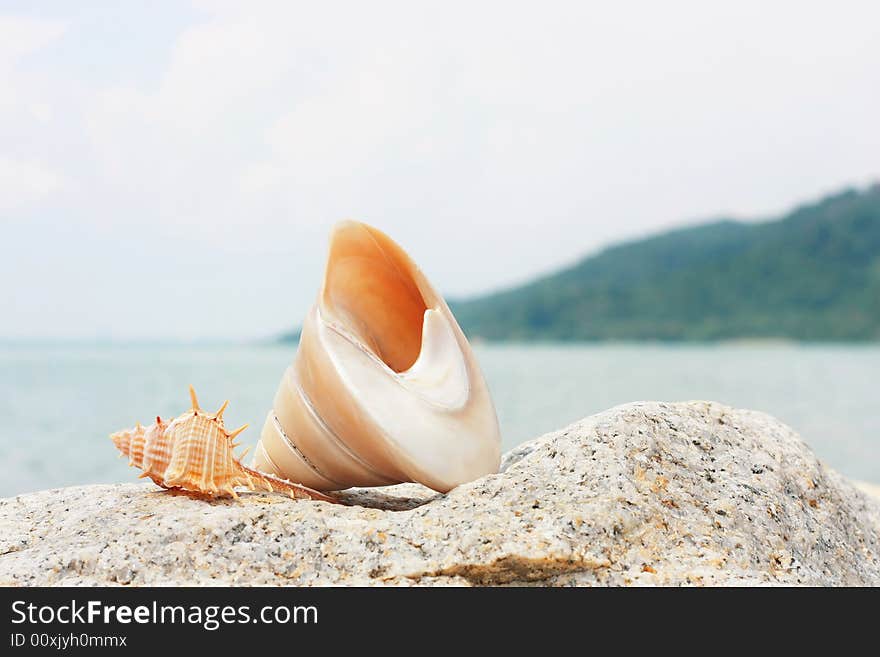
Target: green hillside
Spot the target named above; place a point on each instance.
(814, 274)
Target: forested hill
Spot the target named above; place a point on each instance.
(813, 274)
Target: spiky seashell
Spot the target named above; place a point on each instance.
(194, 452)
(384, 387)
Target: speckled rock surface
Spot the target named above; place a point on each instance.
(646, 493)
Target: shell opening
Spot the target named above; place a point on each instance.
(369, 288)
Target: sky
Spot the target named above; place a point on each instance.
(172, 170)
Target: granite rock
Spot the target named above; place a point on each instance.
(646, 493)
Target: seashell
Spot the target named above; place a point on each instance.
(194, 452)
(384, 387)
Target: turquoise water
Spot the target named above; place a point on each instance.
(58, 404)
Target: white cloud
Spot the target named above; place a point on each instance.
(21, 36)
(24, 180)
(23, 184)
(19, 93)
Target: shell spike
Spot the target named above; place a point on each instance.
(244, 453)
(234, 433)
(219, 413)
(194, 399)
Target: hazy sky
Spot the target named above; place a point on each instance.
(172, 170)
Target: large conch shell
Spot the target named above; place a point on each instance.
(194, 452)
(384, 387)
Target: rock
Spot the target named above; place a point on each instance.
(646, 493)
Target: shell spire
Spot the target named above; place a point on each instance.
(384, 387)
(194, 452)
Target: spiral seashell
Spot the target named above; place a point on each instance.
(384, 387)
(194, 452)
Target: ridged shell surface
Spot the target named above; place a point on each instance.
(194, 452)
(384, 387)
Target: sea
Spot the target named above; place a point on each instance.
(59, 402)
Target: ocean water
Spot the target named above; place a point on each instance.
(59, 403)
